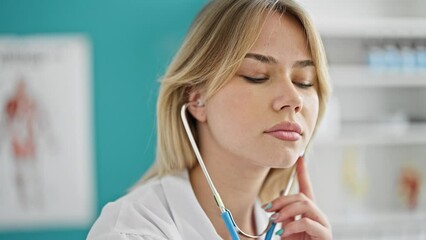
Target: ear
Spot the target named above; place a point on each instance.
(197, 107)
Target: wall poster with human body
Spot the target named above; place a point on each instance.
(46, 172)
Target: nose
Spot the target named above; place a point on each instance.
(288, 97)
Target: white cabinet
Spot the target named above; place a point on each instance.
(368, 161)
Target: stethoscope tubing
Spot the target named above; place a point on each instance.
(226, 215)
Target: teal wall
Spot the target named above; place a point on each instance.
(132, 43)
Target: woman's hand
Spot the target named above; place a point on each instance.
(313, 223)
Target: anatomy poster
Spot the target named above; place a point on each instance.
(46, 158)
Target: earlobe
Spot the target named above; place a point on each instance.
(196, 106)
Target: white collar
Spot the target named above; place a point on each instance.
(185, 208)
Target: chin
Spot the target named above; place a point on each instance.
(285, 160)
(286, 164)
(274, 157)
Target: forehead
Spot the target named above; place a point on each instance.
(282, 37)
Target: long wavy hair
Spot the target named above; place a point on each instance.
(215, 46)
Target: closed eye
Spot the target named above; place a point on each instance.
(303, 85)
(255, 80)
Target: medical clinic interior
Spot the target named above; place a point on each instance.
(79, 82)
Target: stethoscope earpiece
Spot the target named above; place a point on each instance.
(200, 103)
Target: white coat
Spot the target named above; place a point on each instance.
(162, 208)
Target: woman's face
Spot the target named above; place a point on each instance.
(266, 113)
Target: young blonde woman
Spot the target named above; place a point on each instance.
(251, 79)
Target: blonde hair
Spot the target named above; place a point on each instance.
(217, 42)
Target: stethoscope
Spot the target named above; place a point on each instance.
(226, 215)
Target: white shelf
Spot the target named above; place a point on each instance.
(372, 27)
(370, 134)
(363, 76)
(384, 219)
(380, 226)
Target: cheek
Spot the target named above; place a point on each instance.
(231, 115)
(311, 111)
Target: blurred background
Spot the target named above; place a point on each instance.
(367, 161)
(129, 43)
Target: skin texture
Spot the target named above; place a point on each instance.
(275, 84)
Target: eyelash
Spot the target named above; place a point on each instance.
(303, 85)
(255, 80)
(262, 80)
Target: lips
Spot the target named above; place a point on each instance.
(286, 131)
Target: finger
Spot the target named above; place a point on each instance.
(305, 185)
(283, 201)
(281, 227)
(305, 225)
(304, 208)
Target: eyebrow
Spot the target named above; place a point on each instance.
(262, 58)
(272, 60)
(304, 63)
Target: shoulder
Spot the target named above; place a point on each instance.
(144, 213)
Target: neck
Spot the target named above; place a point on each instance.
(238, 185)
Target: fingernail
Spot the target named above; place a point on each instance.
(274, 216)
(279, 232)
(267, 206)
